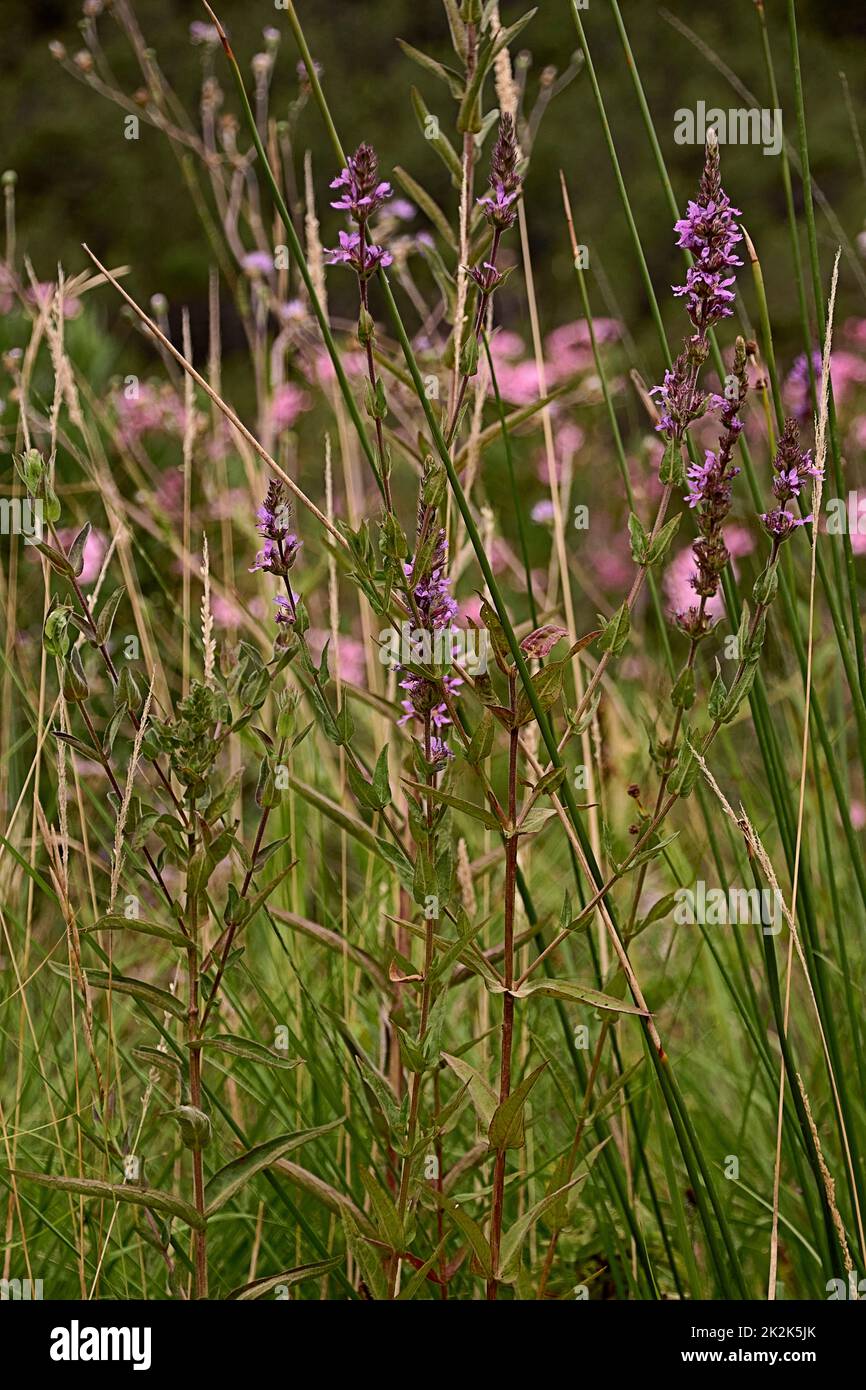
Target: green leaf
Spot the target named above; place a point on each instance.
(419, 1276)
(512, 1240)
(615, 631)
(250, 1051)
(683, 693)
(469, 808)
(468, 1228)
(388, 1221)
(481, 1093)
(75, 553)
(467, 119)
(639, 539)
(658, 548)
(149, 1197)
(441, 70)
(367, 1257)
(431, 209)
(245, 1293)
(231, 1179)
(108, 613)
(194, 1125)
(441, 144)
(506, 1129)
(581, 994)
(146, 993)
(115, 921)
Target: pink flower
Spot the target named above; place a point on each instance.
(144, 408)
(42, 293)
(287, 404)
(349, 660)
(94, 552)
(542, 512)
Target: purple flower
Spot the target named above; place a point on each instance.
(709, 232)
(435, 604)
(797, 388)
(500, 205)
(281, 546)
(257, 263)
(780, 523)
(364, 191)
(286, 611)
(349, 253)
(792, 466)
(486, 277)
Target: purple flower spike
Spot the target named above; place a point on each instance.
(792, 466)
(349, 253)
(364, 191)
(281, 546)
(708, 230)
(500, 205)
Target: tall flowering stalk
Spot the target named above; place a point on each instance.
(362, 194)
(500, 211)
(709, 233)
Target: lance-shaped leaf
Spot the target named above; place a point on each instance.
(468, 1228)
(150, 1197)
(469, 808)
(432, 132)
(506, 1129)
(250, 1050)
(481, 1092)
(467, 116)
(581, 994)
(115, 921)
(149, 994)
(231, 1179)
(245, 1293)
(614, 634)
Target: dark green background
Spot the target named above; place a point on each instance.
(79, 179)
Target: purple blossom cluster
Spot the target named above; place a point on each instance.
(710, 233)
(709, 496)
(431, 590)
(792, 466)
(500, 204)
(362, 194)
(281, 545)
(420, 695)
(436, 609)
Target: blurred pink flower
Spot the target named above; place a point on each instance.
(41, 294)
(144, 407)
(350, 659)
(226, 612)
(288, 402)
(542, 512)
(677, 585)
(94, 552)
(858, 815)
(568, 440)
